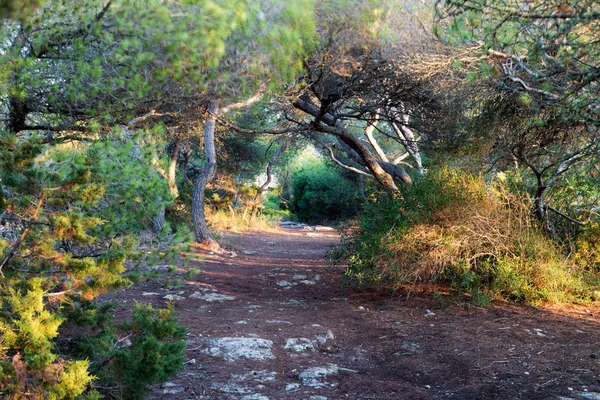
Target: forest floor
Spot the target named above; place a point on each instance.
(274, 321)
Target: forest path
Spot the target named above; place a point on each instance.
(275, 322)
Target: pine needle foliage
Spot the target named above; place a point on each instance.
(126, 358)
(69, 228)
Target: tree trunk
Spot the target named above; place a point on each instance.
(159, 220)
(371, 125)
(406, 136)
(172, 169)
(361, 188)
(539, 206)
(261, 189)
(397, 172)
(201, 232)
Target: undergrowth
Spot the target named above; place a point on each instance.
(237, 221)
(126, 358)
(479, 241)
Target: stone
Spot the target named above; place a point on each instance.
(160, 267)
(299, 345)
(196, 375)
(588, 395)
(540, 332)
(290, 301)
(173, 297)
(324, 228)
(292, 387)
(233, 388)
(283, 284)
(260, 376)
(409, 348)
(254, 396)
(278, 321)
(324, 339)
(211, 297)
(231, 348)
(172, 388)
(315, 377)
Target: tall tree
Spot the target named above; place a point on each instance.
(358, 76)
(265, 44)
(543, 58)
(74, 81)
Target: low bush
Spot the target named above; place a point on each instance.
(238, 220)
(126, 358)
(451, 228)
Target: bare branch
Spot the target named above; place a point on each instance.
(554, 210)
(344, 166)
(281, 131)
(244, 103)
(530, 89)
(132, 123)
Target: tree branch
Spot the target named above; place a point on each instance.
(244, 103)
(344, 166)
(330, 125)
(236, 128)
(554, 210)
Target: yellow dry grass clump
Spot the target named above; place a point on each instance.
(228, 220)
(480, 238)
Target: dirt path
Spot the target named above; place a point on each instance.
(274, 322)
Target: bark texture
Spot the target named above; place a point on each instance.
(201, 232)
(170, 175)
(256, 201)
(407, 137)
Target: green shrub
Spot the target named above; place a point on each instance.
(192, 273)
(451, 228)
(322, 193)
(273, 206)
(29, 364)
(127, 358)
(75, 216)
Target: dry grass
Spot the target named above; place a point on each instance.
(239, 221)
(483, 239)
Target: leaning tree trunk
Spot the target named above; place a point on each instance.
(335, 127)
(201, 232)
(407, 137)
